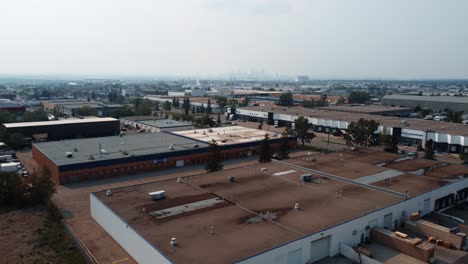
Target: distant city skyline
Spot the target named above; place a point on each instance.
(281, 39)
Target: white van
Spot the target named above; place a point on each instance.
(440, 118)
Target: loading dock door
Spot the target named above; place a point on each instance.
(295, 257)
(179, 163)
(387, 221)
(427, 206)
(319, 249)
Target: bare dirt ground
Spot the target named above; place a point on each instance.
(18, 236)
(26, 237)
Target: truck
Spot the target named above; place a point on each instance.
(9, 167)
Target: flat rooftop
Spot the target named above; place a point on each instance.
(443, 99)
(386, 121)
(61, 122)
(164, 123)
(255, 213)
(235, 217)
(226, 135)
(364, 109)
(115, 147)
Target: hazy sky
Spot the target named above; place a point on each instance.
(326, 38)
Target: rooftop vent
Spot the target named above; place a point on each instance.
(158, 195)
(173, 242)
(69, 154)
(108, 192)
(171, 147)
(104, 152)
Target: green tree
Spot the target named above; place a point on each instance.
(362, 132)
(16, 141)
(221, 101)
(167, 106)
(245, 102)
(209, 109)
(285, 99)
(215, 158)
(232, 102)
(218, 120)
(260, 125)
(42, 186)
(12, 190)
(56, 111)
(283, 150)
(85, 111)
(388, 142)
(121, 112)
(301, 130)
(340, 101)
(6, 117)
(265, 151)
(454, 116)
(36, 115)
(308, 103)
(464, 158)
(358, 97)
(429, 150)
(202, 108)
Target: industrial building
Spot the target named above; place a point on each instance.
(13, 107)
(370, 110)
(435, 103)
(447, 137)
(102, 110)
(66, 128)
(269, 213)
(154, 124)
(94, 158)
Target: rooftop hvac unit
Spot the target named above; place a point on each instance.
(306, 177)
(196, 145)
(104, 152)
(171, 147)
(69, 154)
(158, 195)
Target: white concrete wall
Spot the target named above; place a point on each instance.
(142, 251)
(344, 233)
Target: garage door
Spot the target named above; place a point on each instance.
(295, 257)
(427, 206)
(179, 163)
(387, 221)
(320, 249)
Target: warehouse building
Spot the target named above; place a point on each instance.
(435, 103)
(102, 110)
(268, 213)
(66, 128)
(370, 110)
(447, 137)
(94, 158)
(154, 124)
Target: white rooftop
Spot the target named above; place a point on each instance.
(60, 122)
(227, 135)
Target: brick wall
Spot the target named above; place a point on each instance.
(43, 160)
(66, 177)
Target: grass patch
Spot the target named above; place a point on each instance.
(53, 235)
